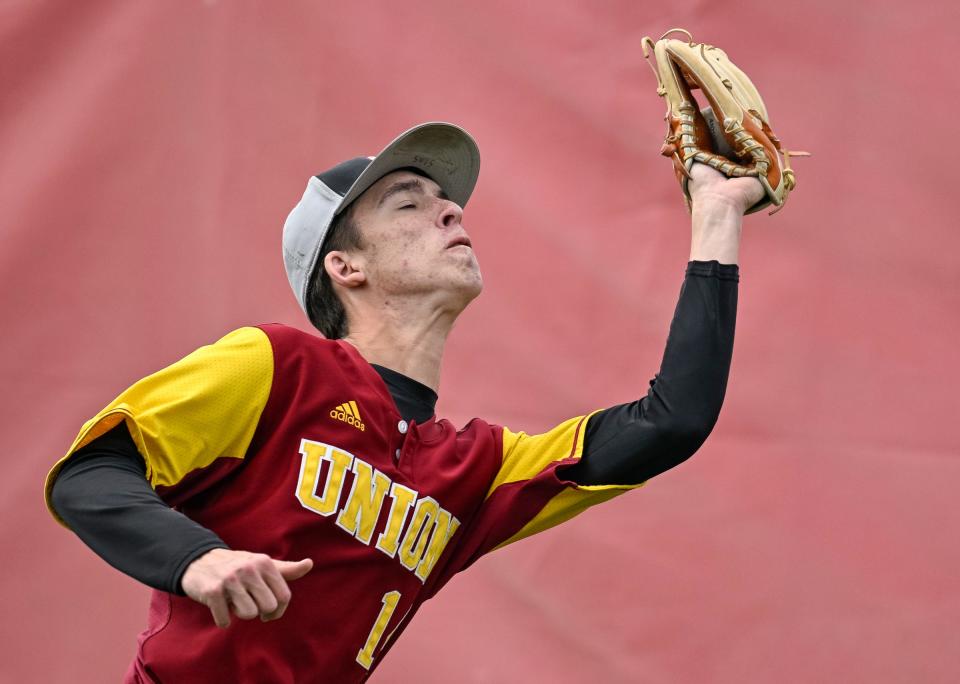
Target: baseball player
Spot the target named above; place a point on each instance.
(294, 500)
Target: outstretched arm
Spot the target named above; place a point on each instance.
(631, 443)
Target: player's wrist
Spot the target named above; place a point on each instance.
(716, 233)
(189, 559)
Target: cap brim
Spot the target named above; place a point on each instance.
(442, 151)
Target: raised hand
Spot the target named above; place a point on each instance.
(710, 186)
(717, 204)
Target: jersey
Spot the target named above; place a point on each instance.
(288, 444)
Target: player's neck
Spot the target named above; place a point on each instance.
(409, 344)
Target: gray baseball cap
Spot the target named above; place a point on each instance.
(443, 152)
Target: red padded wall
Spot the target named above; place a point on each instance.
(150, 151)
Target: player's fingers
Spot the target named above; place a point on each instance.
(217, 603)
(243, 605)
(261, 594)
(291, 571)
(280, 590)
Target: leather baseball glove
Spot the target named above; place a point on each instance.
(732, 134)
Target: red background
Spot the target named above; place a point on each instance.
(150, 151)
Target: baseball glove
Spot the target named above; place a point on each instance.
(732, 134)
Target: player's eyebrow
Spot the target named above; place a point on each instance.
(412, 185)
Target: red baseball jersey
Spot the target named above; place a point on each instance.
(291, 445)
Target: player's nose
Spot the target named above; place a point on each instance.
(450, 216)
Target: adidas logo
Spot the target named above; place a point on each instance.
(349, 414)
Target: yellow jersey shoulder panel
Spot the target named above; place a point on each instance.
(203, 407)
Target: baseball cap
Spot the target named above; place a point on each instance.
(443, 152)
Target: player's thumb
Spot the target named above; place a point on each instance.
(290, 570)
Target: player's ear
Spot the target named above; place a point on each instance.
(344, 269)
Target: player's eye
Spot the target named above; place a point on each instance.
(407, 205)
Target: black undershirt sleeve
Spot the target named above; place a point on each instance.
(103, 495)
(630, 443)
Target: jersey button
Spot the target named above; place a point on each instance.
(397, 454)
(402, 427)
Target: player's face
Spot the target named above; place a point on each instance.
(415, 242)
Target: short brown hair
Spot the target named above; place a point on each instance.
(324, 308)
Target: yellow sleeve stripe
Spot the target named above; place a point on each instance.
(566, 505)
(526, 455)
(204, 407)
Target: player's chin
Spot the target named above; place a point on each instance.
(478, 287)
(469, 283)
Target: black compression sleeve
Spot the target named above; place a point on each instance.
(631, 443)
(103, 495)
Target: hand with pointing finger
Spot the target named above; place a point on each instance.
(247, 584)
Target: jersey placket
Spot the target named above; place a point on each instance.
(406, 441)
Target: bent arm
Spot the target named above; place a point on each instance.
(104, 497)
(631, 443)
